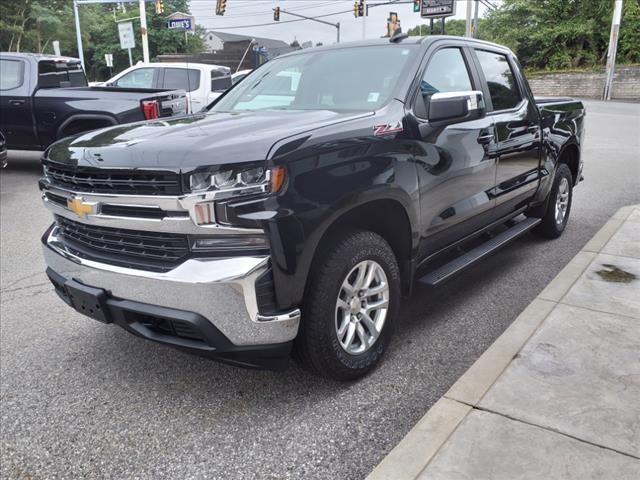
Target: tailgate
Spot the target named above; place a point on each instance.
(171, 103)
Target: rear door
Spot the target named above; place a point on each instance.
(516, 120)
(456, 168)
(16, 121)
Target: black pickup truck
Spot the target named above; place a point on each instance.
(296, 212)
(44, 98)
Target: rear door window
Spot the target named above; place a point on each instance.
(220, 80)
(11, 74)
(181, 79)
(500, 80)
(60, 74)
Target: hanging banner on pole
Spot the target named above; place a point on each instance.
(437, 8)
(125, 31)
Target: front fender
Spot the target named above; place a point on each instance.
(324, 188)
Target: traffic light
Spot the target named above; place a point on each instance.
(221, 6)
(159, 7)
(393, 23)
(358, 8)
(355, 9)
(276, 14)
(416, 5)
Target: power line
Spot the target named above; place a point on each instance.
(280, 22)
(269, 12)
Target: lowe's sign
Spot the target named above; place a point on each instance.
(181, 21)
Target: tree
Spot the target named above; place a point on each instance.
(295, 44)
(556, 34)
(32, 25)
(452, 27)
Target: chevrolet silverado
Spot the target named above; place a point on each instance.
(294, 213)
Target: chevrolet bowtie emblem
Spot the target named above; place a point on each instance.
(80, 208)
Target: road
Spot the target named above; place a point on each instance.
(82, 399)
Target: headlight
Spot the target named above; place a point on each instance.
(256, 179)
(232, 182)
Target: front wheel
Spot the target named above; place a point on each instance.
(556, 216)
(350, 307)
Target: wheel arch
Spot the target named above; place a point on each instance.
(389, 218)
(97, 120)
(570, 155)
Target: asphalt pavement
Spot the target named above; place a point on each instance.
(82, 399)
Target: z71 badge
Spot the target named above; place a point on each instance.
(387, 128)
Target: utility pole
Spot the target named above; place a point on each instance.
(143, 27)
(78, 35)
(364, 19)
(613, 49)
(467, 30)
(279, 10)
(475, 20)
(143, 32)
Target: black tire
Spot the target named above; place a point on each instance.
(550, 227)
(317, 346)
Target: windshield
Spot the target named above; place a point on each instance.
(358, 78)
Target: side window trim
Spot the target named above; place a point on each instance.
(158, 78)
(485, 85)
(474, 79)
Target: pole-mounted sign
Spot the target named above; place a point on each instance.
(180, 21)
(127, 39)
(437, 8)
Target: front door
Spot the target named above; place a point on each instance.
(456, 166)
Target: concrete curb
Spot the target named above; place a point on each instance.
(414, 452)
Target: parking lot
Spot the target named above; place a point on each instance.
(82, 399)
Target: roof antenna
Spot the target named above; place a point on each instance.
(398, 36)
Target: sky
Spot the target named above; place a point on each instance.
(240, 13)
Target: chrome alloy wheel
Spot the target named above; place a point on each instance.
(562, 200)
(362, 306)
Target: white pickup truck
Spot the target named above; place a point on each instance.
(202, 82)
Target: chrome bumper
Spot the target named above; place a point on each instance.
(222, 290)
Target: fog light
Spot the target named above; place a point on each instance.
(230, 242)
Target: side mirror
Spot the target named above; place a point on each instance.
(453, 107)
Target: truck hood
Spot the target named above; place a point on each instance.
(183, 143)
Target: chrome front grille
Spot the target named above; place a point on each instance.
(147, 250)
(98, 180)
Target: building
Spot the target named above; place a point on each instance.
(215, 41)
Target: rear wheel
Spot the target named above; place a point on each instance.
(350, 307)
(556, 216)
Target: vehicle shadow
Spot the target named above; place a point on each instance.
(23, 161)
(157, 367)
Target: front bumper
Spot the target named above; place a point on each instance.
(219, 292)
